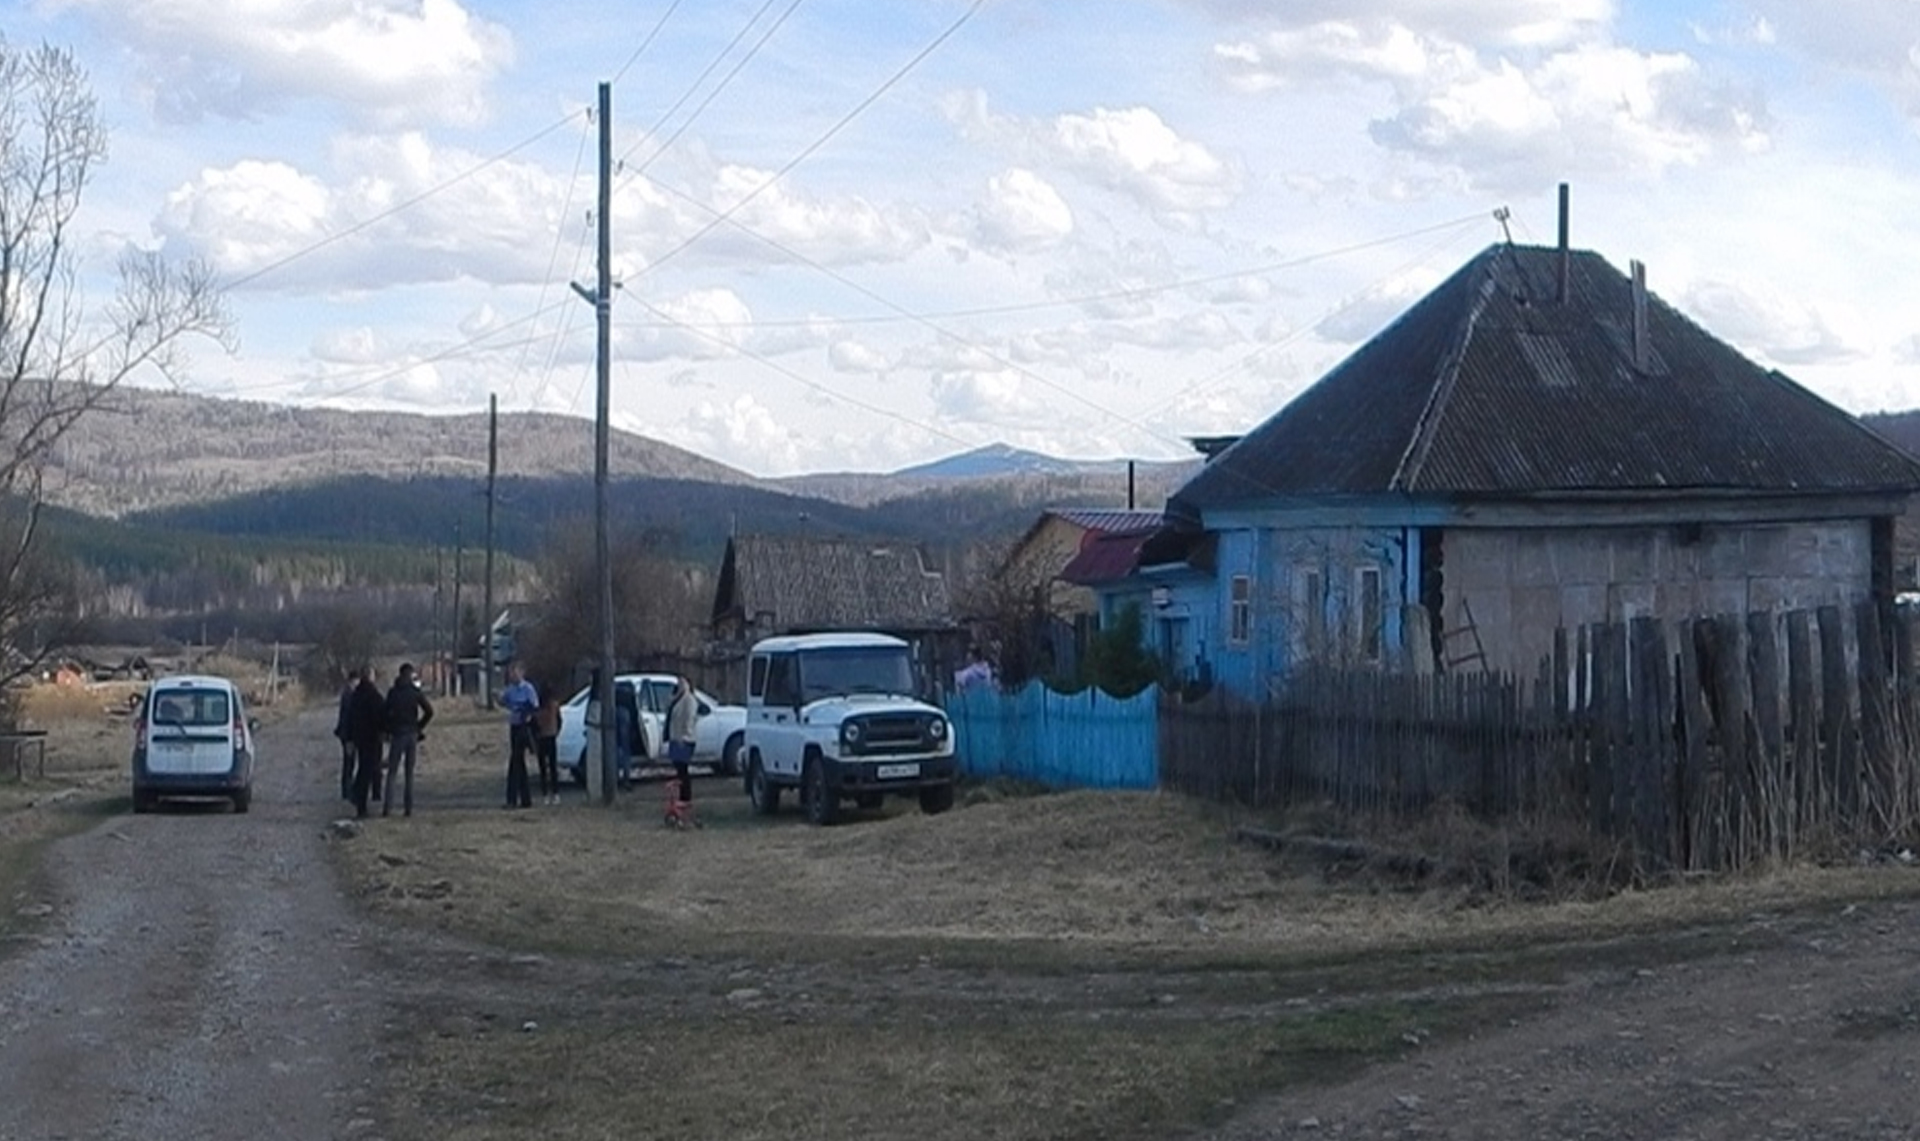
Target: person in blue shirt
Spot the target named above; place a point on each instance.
(520, 700)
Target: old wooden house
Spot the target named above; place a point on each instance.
(1539, 442)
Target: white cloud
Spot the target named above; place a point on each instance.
(702, 324)
(1373, 310)
(393, 61)
(844, 231)
(1907, 352)
(743, 431)
(1762, 320)
(360, 345)
(1022, 212)
(1462, 96)
(1504, 23)
(994, 397)
(1877, 39)
(853, 356)
(1129, 151)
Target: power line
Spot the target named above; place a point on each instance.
(816, 386)
(1130, 293)
(553, 255)
(408, 204)
(822, 141)
(695, 86)
(637, 52)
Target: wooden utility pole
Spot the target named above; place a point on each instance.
(439, 631)
(601, 298)
(486, 617)
(459, 553)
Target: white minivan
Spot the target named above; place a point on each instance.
(193, 739)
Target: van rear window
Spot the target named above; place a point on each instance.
(191, 707)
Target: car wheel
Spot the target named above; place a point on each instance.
(937, 799)
(823, 807)
(730, 755)
(763, 793)
(142, 803)
(243, 800)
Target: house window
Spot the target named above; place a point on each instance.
(1369, 627)
(1240, 610)
(1310, 611)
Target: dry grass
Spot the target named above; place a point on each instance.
(929, 1073)
(1103, 873)
(86, 776)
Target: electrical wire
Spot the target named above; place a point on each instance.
(340, 235)
(639, 51)
(553, 255)
(695, 86)
(808, 152)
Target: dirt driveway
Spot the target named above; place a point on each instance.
(206, 975)
(199, 977)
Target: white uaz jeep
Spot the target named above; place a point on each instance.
(834, 716)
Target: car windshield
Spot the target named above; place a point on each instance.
(191, 707)
(855, 669)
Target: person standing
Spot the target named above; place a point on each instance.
(408, 712)
(366, 724)
(546, 741)
(343, 734)
(520, 700)
(683, 715)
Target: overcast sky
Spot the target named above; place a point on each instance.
(864, 234)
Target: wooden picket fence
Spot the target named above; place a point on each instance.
(1715, 743)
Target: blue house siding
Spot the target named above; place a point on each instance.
(1066, 740)
(1304, 587)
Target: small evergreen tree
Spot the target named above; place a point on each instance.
(1118, 660)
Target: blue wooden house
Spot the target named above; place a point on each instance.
(1537, 443)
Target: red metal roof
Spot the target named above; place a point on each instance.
(1105, 558)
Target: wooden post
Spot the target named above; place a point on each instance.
(1693, 797)
(1839, 772)
(1803, 733)
(1770, 751)
(1734, 690)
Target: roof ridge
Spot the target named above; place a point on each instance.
(1424, 429)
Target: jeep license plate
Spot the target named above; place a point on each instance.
(895, 772)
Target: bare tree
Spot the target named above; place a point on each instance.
(59, 360)
(656, 603)
(1007, 604)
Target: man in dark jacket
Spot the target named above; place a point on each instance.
(341, 734)
(366, 724)
(408, 712)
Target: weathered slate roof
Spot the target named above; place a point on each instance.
(830, 584)
(1489, 387)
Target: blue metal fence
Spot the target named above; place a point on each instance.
(1068, 740)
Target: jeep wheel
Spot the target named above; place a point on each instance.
(937, 799)
(823, 807)
(730, 755)
(763, 793)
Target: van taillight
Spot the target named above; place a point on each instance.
(140, 733)
(239, 731)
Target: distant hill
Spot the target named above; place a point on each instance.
(1902, 429)
(150, 449)
(1004, 459)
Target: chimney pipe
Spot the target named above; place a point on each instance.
(1566, 256)
(1642, 350)
(1130, 485)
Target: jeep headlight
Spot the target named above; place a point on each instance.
(850, 734)
(937, 729)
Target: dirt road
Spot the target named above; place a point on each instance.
(200, 976)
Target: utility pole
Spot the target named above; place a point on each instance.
(439, 631)
(459, 551)
(601, 298)
(486, 618)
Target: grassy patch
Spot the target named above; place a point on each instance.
(931, 1074)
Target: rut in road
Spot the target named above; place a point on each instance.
(201, 976)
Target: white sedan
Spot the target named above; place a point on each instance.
(718, 733)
